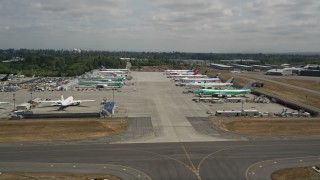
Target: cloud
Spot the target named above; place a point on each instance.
(206, 24)
(81, 7)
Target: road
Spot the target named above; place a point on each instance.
(194, 160)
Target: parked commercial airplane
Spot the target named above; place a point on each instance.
(177, 77)
(213, 85)
(102, 83)
(63, 103)
(6, 78)
(225, 92)
(108, 78)
(102, 68)
(113, 72)
(178, 71)
(186, 80)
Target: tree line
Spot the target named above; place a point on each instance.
(55, 63)
(47, 62)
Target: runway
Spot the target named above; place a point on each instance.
(196, 160)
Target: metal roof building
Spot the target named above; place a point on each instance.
(242, 67)
(221, 66)
(261, 67)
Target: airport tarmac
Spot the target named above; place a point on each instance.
(195, 160)
(151, 95)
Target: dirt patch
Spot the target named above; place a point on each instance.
(272, 127)
(55, 176)
(59, 129)
(305, 173)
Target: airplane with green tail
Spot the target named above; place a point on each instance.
(225, 92)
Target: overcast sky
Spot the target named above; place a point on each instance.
(162, 25)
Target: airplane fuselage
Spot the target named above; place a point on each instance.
(222, 91)
(205, 84)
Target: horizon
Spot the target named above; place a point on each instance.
(97, 50)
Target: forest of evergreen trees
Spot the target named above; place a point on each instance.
(70, 63)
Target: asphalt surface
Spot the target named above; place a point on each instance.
(197, 160)
(160, 114)
(148, 94)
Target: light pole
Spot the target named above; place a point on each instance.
(30, 97)
(242, 101)
(14, 101)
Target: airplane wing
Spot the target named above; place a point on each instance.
(80, 101)
(57, 101)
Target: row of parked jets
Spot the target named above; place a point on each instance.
(206, 86)
(111, 77)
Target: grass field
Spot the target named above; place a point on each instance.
(272, 126)
(58, 129)
(55, 176)
(313, 85)
(303, 173)
(292, 94)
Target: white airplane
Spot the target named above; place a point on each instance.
(4, 102)
(184, 81)
(177, 77)
(63, 103)
(167, 72)
(209, 85)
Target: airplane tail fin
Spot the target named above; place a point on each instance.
(249, 86)
(230, 80)
(5, 78)
(62, 99)
(217, 75)
(101, 68)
